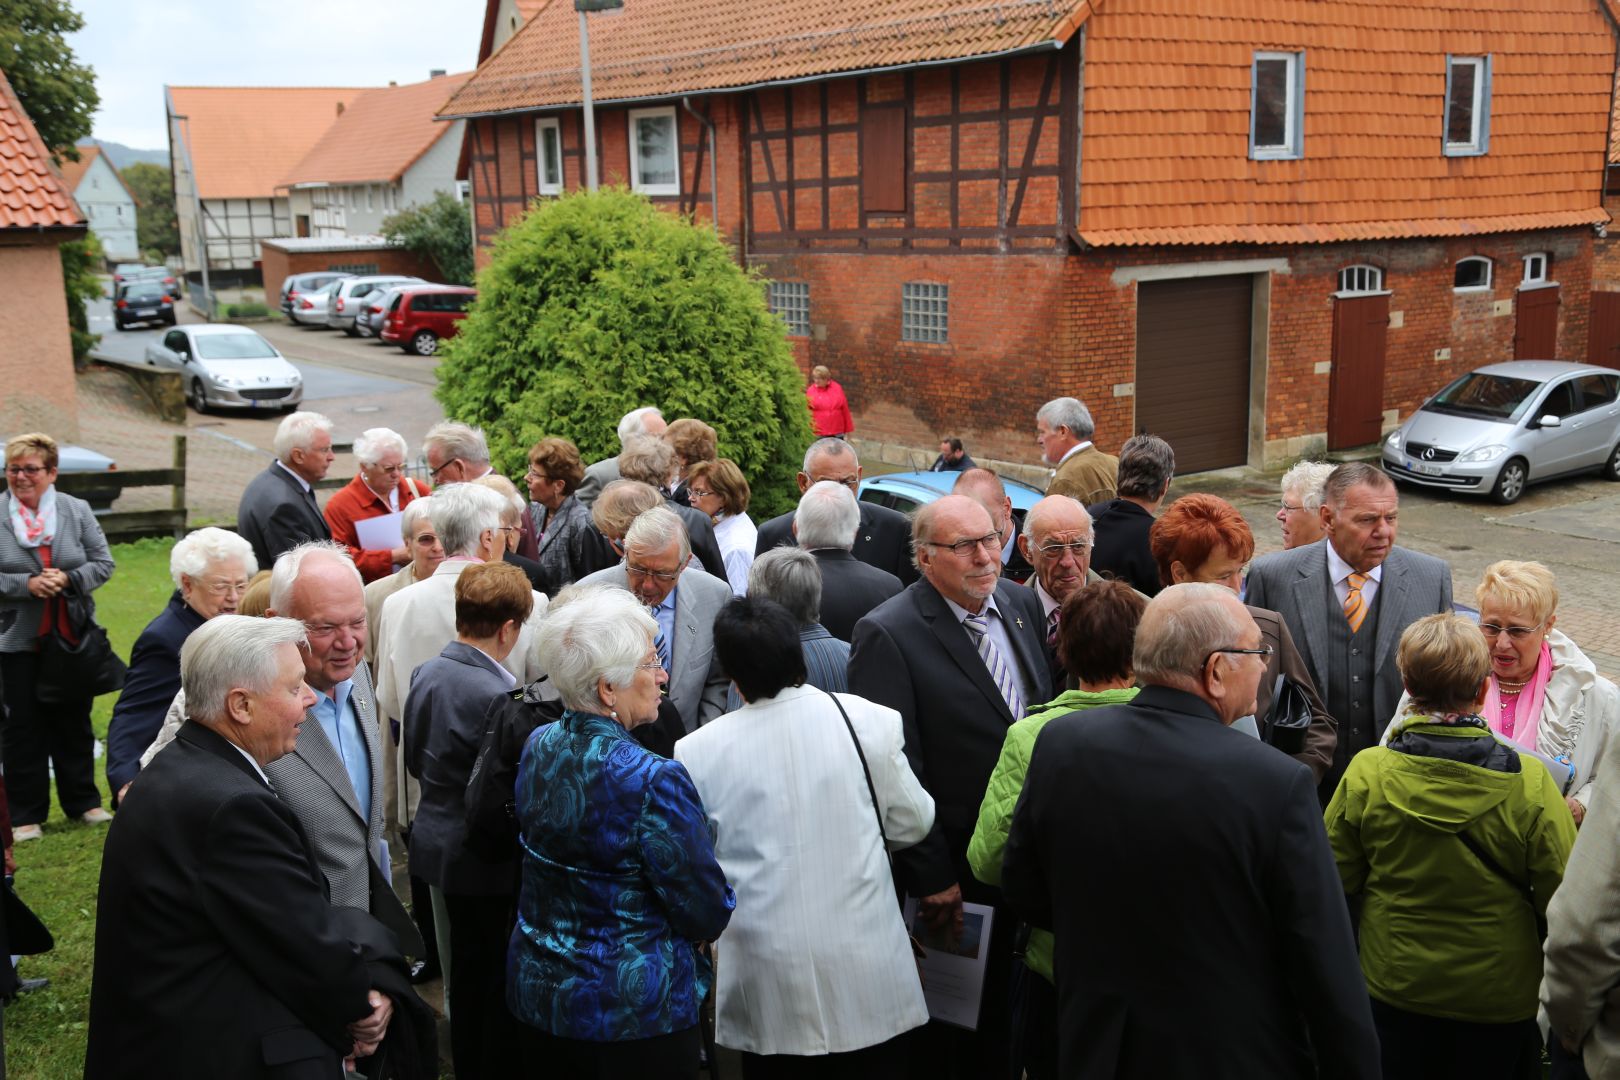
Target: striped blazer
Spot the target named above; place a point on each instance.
(79, 548)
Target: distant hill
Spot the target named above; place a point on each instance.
(123, 156)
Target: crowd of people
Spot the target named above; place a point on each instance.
(1195, 813)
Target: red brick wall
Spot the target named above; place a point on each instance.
(1606, 252)
(279, 264)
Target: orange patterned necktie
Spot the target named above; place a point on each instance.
(1355, 606)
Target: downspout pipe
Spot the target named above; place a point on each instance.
(714, 190)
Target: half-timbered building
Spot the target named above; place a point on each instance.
(1255, 228)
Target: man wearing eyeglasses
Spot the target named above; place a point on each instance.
(1347, 599)
(1057, 542)
(1177, 861)
(684, 603)
(883, 539)
(960, 656)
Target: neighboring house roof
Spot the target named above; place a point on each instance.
(526, 10)
(379, 136)
(33, 194)
(1614, 124)
(661, 48)
(244, 139)
(74, 172)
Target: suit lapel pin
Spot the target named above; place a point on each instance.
(1019, 621)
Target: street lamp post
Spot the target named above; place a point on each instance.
(583, 6)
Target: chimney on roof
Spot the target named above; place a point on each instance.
(437, 73)
(393, 82)
(340, 108)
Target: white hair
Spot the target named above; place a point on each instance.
(634, 422)
(1070, 413)
(462, 513)
(413, 515)
(203, 548)
(656, 529)
(832, 448)
(591, 633)
(232, 652)
(297, 432)
(371, 444)
(1307, 479)
(458, 441)
(827, 517)
(289, 564)
(1181, 626)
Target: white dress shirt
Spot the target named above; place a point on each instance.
(1340, 572)
(815, 959)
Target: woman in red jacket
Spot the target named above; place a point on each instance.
(380, 487)
(829, 409)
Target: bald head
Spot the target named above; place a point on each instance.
(984, 487)
(1057, 543)
(1185, 640)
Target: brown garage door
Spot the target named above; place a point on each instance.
(1192, 368)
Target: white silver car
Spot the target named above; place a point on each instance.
(228, 367)
(1502, 427)
(311, 307)
(348, 295)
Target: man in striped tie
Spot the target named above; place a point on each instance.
(1057, 542)
(960, 655)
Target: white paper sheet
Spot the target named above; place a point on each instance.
(953, 973)
(379, 533)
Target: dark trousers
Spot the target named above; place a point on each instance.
(946, 1052)
(662, 1057)
(1034, 1034)
(486, 1041)
(1565, 1065)
(880, 1062)
(39, 736)
(1417, 1047)
(422, 915)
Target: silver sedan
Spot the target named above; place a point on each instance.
(228, 367)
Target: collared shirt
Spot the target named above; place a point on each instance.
(1340, 572)
(342, 728)
(665, 614)
(256, 767)
(507, 676)
(998, 633)
(301, 481)
(1073, 450)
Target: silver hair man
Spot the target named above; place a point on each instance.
(792, 578)
(299, 431)
(462, 514)
(232, 652)
(827, 517)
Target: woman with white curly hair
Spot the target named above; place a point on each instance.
(381, 487)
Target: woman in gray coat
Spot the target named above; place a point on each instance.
(52, 556)
(570, 546)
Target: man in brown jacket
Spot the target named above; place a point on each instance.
(1063, 427)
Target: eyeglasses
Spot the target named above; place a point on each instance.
(25, 470)
(698, 493)
(965, 548)
(512, 529)
(535, 474)
(390, 470)
(1289, 508)
(851, 482)
(1516, 633)
(656, 575)
(225, 588)
(433, 474)
(1055, 550)
(325, 630)
(1264, 650)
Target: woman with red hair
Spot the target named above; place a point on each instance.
(1204, 538)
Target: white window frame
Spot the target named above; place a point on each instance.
(1361, 272)
(1480, 143)
(541, 126)
(636, 184)
(1293, 145)
(1490, 274)
(1543, 277)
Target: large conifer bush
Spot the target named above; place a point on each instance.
(595, 304)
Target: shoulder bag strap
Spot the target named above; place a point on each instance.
(870, 788)
(1497, 868)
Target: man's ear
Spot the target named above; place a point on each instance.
(1026, 547)
(804, 482)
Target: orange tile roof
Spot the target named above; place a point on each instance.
(379, 136)
(1614, 124)
(1167, 98)
(244, 139)
(655, 48)
(33, 194)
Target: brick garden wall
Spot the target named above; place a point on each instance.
(280, 264)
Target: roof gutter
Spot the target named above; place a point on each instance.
(828, 76)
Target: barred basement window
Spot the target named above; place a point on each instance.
(924, 311)
(354, 268)
(791, 301)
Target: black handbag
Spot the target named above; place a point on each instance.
(75, 672)
(1289, 718)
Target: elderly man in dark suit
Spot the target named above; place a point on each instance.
(826, 524)
(959, 655)
(217, 953)
(1176, 860)
(278, 510)
(884, 537)
(1346, 600)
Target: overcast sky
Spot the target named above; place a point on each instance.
(138, 46)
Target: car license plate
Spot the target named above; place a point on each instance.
(141, 312)
(1424, 469)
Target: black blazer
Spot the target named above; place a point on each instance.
(883, 540)
(913, 656)
(1177, 860)
(1119, 545)
(850, 589)
(276, 515)
(217, 953)
(149, 689)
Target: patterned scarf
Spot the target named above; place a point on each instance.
(35, 527)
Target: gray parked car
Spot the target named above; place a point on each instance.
(1499, 428)
(297, 285)
(375, 308)
(348, 294)
(228, 366)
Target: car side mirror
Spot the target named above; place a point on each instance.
(1550, 421)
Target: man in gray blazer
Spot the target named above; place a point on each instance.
(656, 551)
(646, 420)
(1346, 600)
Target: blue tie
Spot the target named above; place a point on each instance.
(659, 641)
(1001, 672)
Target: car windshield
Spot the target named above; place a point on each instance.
(144, 292)
(1489, 397)
(232, 347)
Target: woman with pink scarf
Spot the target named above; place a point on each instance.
(1543, 693)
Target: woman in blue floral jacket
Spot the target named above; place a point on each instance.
(620, 882)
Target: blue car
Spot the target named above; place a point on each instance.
(907, 491)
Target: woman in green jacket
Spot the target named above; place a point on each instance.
(1453, 842)
(1096, 632)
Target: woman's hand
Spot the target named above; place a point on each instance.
(1577, 810)
(43, 586)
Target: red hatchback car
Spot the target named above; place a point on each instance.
(419, 318)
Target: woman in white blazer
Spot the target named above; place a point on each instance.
(815, 963)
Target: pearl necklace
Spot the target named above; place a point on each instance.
(1510, 689)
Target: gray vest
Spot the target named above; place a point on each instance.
(1349, 693)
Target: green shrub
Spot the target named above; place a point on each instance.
(596, 304)
(249, 309)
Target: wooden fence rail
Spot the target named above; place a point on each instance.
(121, 525)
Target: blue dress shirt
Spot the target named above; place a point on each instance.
(342, 728)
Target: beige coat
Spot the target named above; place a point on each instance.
(1089, 476)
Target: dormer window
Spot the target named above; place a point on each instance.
(1468, 105)
(1277, 106)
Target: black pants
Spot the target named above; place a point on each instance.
(1565, 1065)
(1034, 1036)
(881, 1062)
(422, 915)
(486, 1041)
(662, 1057)
(1417, 1047)
(38, 736)
(946, 1052)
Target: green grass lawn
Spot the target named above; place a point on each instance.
(57, 875)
